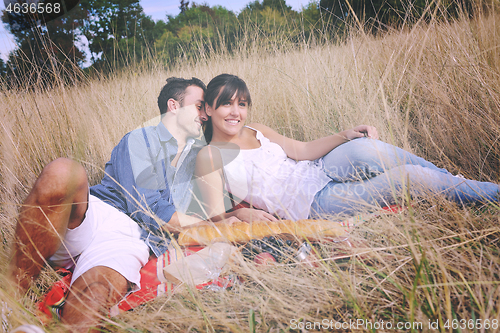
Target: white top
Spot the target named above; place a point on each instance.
(267, 179)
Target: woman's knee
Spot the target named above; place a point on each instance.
(354, 160)
(356, 151)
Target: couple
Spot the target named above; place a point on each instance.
(147, 189)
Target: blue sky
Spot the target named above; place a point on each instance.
(157, 9)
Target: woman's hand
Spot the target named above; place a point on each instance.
(250, 214)
(360, 132)
(230, 220)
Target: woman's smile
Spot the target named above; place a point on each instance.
(233, 121)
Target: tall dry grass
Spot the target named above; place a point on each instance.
(431, 89)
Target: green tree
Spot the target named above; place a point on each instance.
(184, 6)
(273, 20)
(279, 5)
(115, 31)
(3, 68)
(311, 19)
(381, 13)
(200, 25)
(46, 51)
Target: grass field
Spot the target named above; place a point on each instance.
(432, 89)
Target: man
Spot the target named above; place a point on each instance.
(147, 178)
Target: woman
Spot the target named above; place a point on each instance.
(279, 176)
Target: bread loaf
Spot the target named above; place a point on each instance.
(242, 232)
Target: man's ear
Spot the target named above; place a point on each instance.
(173, 105)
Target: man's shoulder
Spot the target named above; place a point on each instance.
(138, 133)
(149, 130)
(141, 135)
(131, 138)
(136, 141)
(123, 143)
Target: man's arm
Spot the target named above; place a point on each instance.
(142, 195)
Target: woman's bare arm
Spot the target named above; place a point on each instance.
(210, 181)
(312, 150)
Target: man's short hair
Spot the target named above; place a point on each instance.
(176, 89)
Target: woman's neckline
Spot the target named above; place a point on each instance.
(260, 142)
(241, 149)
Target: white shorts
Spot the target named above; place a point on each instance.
(106, 237)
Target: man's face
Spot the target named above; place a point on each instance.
(192, 112)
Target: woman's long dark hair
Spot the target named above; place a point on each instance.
(220, 90)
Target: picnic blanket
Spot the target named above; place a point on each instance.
(154, 283)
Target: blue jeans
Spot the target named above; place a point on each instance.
(369, 173)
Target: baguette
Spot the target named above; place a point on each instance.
(242, 232)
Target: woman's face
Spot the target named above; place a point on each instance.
(229, 118)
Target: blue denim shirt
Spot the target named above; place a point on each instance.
(140, 181)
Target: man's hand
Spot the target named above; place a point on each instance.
(360, 132)
(250, 214)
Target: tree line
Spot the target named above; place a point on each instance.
(119, 34)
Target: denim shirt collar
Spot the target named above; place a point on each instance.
(165, 136)
(163, 133)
